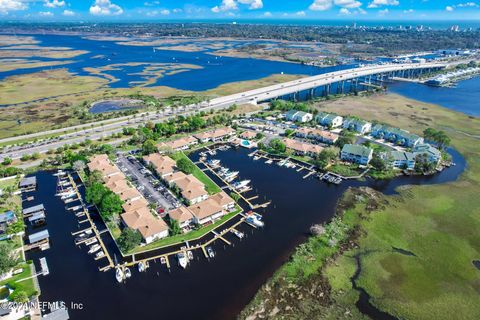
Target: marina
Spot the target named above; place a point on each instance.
(284, 229)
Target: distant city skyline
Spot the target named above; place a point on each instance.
(352, 10)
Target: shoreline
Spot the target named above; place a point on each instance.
(337, 270)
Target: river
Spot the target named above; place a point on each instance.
(120, 60)
(463, 97)
(218, 289)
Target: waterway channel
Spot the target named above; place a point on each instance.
(216, 289)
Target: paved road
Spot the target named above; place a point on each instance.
(252, 96)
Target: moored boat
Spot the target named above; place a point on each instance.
(239, 234)
(182, 260)
(241, 184)
(94, 248)
(119, 275)
(210, 252)
(127, 273)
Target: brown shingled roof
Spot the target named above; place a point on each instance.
(162, 164)
(205, 209)
(181, 214)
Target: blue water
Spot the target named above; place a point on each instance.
(215, 71)
(464, 97)
(109, 106)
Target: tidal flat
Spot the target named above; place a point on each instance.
(439, 223)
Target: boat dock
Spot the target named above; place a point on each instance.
(202, 247)
(330, 177)
(93, 227)
(238, 192)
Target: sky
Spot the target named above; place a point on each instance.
(103, 10)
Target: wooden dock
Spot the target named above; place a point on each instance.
(202, 247)
(93, 227)
(229, 186)
(35, 245)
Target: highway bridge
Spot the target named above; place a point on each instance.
(351, 76)
(343, 78)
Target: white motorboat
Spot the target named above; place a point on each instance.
(281, 163)
(91, 241)
(64, 183)
(64, 192)
(210, 252)
(230, 179)
(239, 234)
(255, 219)
(241, 184)
(59, 173)
(223, 170)
(213, 162)
(99, 255)
(163, 260)
(119, 275)
(68, 195)
(94, 248)
(182, 259)
(232, 174)
(128, 273)
(141, 267)
(269, 161)
(190, 255)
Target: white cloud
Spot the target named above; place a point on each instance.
(226, 5)
(230, 5)
(467, 4)
(151, 3)
(53, 3)
(267, 14)
(12, 5)
(105, 8)
(45, 14)
(409, 11)
(379, 3)
(252, 4)
(350, 4)
(300, 13)
(165, 12)
(321, 5)
(344, 11)
(68, 13)
(461, 5)
(177, 10)
(383, 12)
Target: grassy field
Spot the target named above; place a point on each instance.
(10, 202)
(438, 224)
(210, 186)
(25, 285)
(65, 91)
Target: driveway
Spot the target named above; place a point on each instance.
(151, 187)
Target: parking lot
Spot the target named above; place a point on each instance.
(149, 185)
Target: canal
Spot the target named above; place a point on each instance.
(218, 289)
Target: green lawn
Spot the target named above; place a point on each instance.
(192, 235)
(345, 170)
(25, 285)
(210, 186)
(438, 223)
